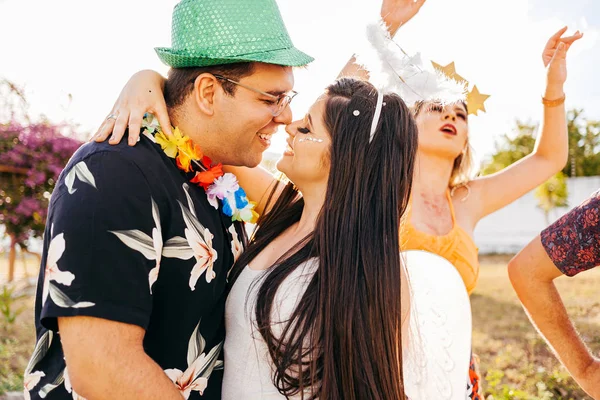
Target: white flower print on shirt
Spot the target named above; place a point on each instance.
(51, 386)
(236, 245)
(200, 241)
(197, 243)
(30, 381)
(82, 172)
(61, 379)
(200, 366)
(53, 273)
(153, 247)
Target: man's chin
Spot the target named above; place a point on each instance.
(253, 164)
(248, 162)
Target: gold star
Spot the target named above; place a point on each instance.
(475, 100)
(450, 71)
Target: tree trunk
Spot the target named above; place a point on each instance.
(24, 262)
(12, 255)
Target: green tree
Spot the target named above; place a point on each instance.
(584, 146)
(511, 149)
(552, 194)
(590, 149)
(584, 157)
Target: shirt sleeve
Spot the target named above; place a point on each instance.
(573, 241)
(100, 254)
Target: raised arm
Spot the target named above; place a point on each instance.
(394, 14)
(551, 149)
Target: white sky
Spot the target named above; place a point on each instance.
(89, 50)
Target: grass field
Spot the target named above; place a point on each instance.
(515, 362)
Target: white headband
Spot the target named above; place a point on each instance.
(376, 115)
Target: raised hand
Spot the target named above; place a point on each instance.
(553, 42)
(398, 12)
(554, 56)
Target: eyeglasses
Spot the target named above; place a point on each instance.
(279, 102)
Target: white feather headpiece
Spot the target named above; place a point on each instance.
(392, 70)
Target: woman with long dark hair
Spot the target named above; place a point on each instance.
(315, 308)
(318, 299)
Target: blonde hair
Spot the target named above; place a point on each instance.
(462, 169)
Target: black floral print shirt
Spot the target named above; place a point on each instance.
(573, 241)
(129, 240)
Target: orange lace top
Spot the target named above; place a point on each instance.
(456, 246)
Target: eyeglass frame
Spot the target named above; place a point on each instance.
(280, 100)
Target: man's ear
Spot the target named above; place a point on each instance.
(205, 90)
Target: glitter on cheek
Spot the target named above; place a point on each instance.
(309, 139)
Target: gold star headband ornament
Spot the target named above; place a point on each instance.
(474, 99)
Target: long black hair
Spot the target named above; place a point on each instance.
(343, 339)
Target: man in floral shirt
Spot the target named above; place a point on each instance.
(131, 293)
(569, 246)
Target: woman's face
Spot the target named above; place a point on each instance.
(306, 158)
(443, 129)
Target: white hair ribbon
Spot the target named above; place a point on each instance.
(377, 114)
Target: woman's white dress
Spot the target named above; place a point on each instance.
(436, 357)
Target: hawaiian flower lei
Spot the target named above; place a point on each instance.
(216, 183)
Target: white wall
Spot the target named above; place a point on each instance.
(511, 228)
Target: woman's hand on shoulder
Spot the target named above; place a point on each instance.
(143, 93)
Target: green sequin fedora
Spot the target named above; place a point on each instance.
(215, 32)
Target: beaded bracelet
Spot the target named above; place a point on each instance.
(553, 103)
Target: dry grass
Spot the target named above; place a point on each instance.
(514, 359)
(17, 339)
(16, 344)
